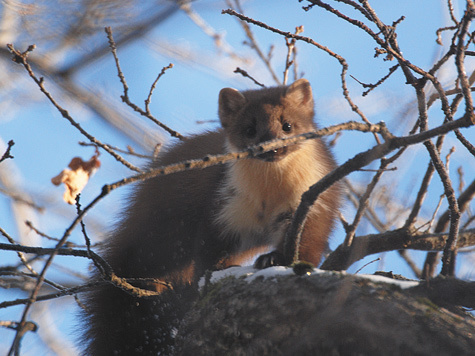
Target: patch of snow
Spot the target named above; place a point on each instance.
(250, 273)
(381, 279)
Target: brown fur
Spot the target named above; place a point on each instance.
(180, 225)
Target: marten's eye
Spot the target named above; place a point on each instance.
(250, 131)
(287, 127)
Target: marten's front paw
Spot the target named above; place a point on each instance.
(274, 258)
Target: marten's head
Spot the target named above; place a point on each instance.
(255, 116)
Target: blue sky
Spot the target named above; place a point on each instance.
(45, 142)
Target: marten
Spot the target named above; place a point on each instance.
(178, 226)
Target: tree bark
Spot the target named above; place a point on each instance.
(323, 314)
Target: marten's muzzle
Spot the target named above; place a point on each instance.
(273, 155)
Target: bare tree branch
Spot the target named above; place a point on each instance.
(125, 97)
(344, 256)
(21, 58)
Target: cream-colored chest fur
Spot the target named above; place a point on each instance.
(256, 193)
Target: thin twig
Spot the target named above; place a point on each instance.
(217, 37)
(129, 151)
(451, 12)
(372, 86)
(459, 60)
(253, 43)
(291, 54)
(21, 58)
(246, 75)
(7, 154)
(21, 256)
(367, 264)
(51, 238)
(149, 98)
(17, 197)
(125, 97)
(308, 40)
(350, 233)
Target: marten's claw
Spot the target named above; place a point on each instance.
(274, 258)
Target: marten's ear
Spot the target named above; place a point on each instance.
(300, 92)
(230, 101)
